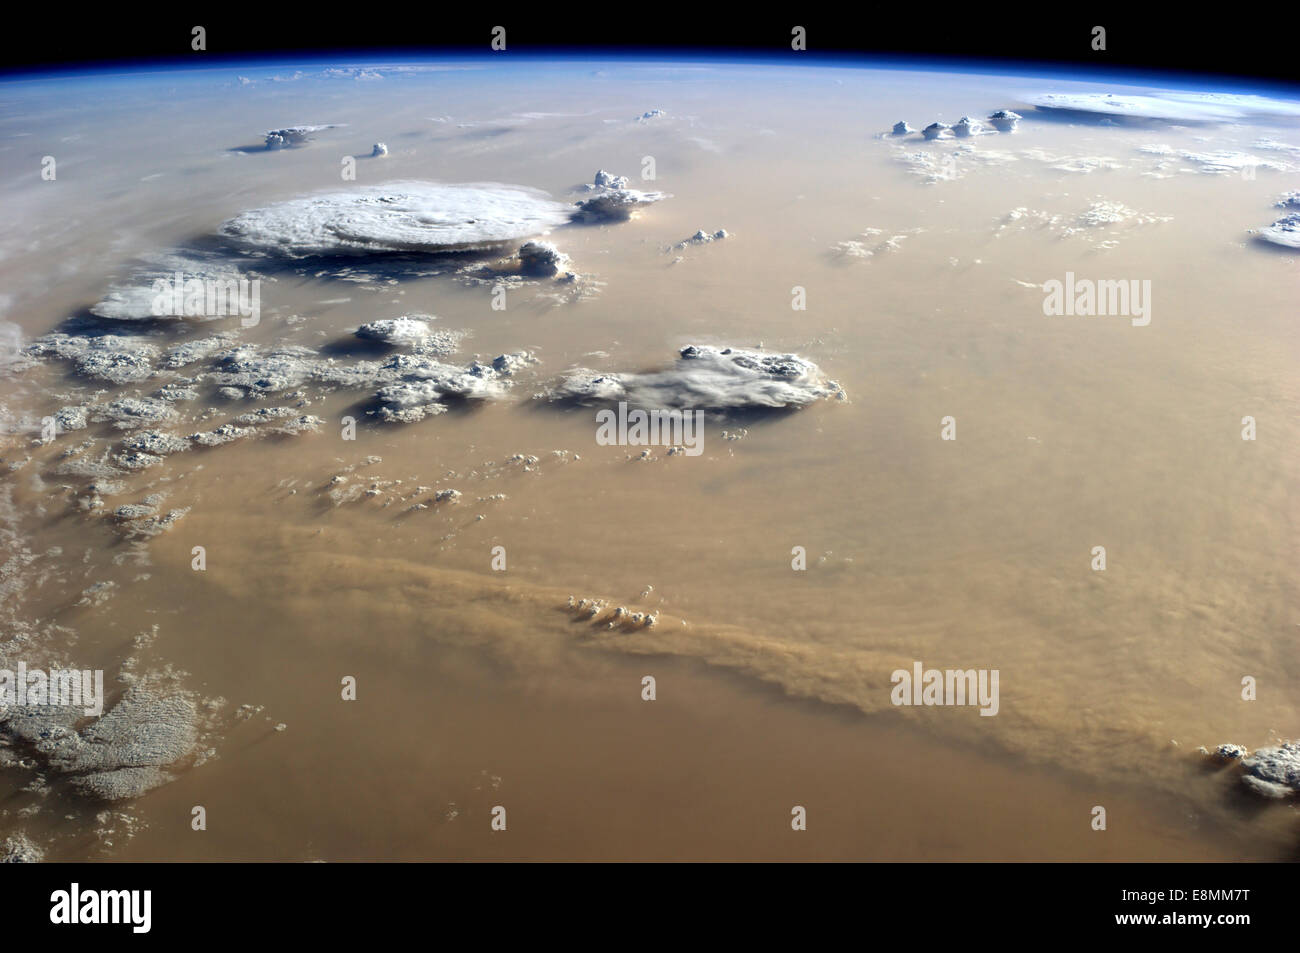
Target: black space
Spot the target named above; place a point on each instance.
(1245, 46)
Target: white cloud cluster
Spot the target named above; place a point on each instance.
(397, 217)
